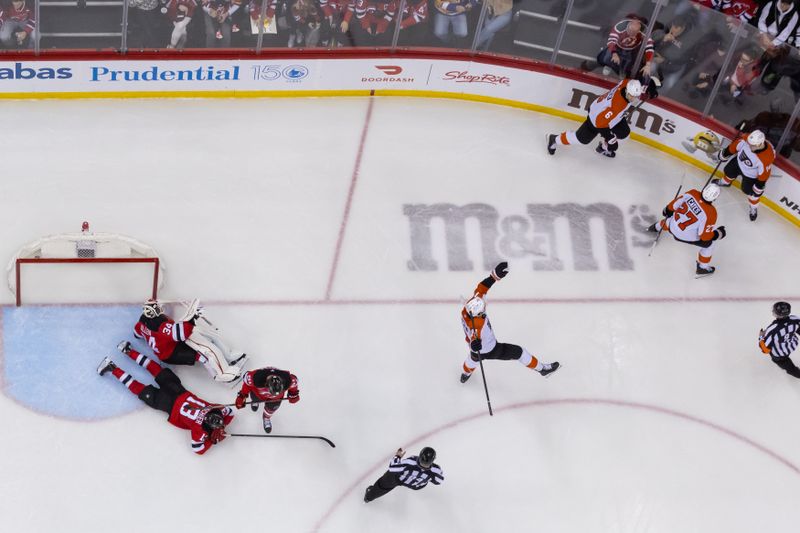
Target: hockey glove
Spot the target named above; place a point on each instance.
(217, 435)
(476, 345)
(240, 400)
(719, 233)
(294, 398)
(667, 212)
(652, 88)
(724, 155)
(500, 271)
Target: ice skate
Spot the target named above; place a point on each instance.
(549, 369)
(124, 347)
(465, 377)
(704, 271)
(721, 183)
(604, 151)
(241, 358)
(551, 144)
(267, 425)
(254, 406)
(753, 213)
(106, 365)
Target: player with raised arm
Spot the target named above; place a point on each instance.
(413, 472)
(480, 336)
(268, 386)
(691, 218)
(780, 338)
(607, 117)
(751, 158)
(182, 342)
(185, 409)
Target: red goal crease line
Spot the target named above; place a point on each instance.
(154, 260)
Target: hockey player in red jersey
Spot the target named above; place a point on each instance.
(752, 159)
(480, 336)
(186, 410)
(691, 218)
(177, 342)
(607, 117)
(268, 386)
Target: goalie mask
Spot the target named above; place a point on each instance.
(426, 457)
(275, 385)
(213, 420)
(152, 309)
(475, 306)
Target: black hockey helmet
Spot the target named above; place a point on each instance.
(275, 385)
(781, 309)
(426, 457)
(213, 420)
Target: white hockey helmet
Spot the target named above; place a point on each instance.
(711, 192)
(152, 309)
(475, 306)
(634, 89)
(756, 139)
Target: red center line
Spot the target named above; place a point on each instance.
(346, 216)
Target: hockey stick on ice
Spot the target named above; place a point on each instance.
(483, 372)
(660, 228)
(739, 128)
(328, 441)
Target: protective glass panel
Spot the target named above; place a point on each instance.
(91, 24)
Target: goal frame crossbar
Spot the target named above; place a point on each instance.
(40, 260)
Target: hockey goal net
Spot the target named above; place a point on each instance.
(71, 265)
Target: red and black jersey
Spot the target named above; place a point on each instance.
(162, 334)
(414, 12)
(620, 39)
(262, 393)
(24, 15)
(188, 412)
(337, 8)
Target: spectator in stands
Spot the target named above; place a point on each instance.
(622, 47)
(180, 12)
(306, 23)
(707, 72)
(254, 13)
(498, 16)
(18, 25)
(773, 124)
(335, 30)
(778, 21)
(373, 19)
(413, 23)
(145, 24)
(670, 57)
(218, 21)
(743, 10)
(451, 15)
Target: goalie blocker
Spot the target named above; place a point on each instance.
(186, 341)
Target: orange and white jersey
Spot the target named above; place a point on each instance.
(694, 218)
(608, 109)
(479, 327)
(755, 164)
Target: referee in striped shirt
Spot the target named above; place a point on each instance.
(414, 472)
(779, 339)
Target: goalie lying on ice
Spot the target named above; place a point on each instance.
(184, 342)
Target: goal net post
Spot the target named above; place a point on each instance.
(109, 266)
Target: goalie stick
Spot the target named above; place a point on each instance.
(318, 437)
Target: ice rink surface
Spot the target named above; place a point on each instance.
(336, 238)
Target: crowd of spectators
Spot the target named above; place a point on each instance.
(17, 24)
(314, 23)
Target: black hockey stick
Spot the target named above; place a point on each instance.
(221, 405)
(483, 372)
(328, 441)
(660, 228)
(739, 128)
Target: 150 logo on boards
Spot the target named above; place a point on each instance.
(289, 74)
(21, 72)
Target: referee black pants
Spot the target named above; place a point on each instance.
(385, 484)
(787, 364)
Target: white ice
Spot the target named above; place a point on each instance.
(665, 417)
